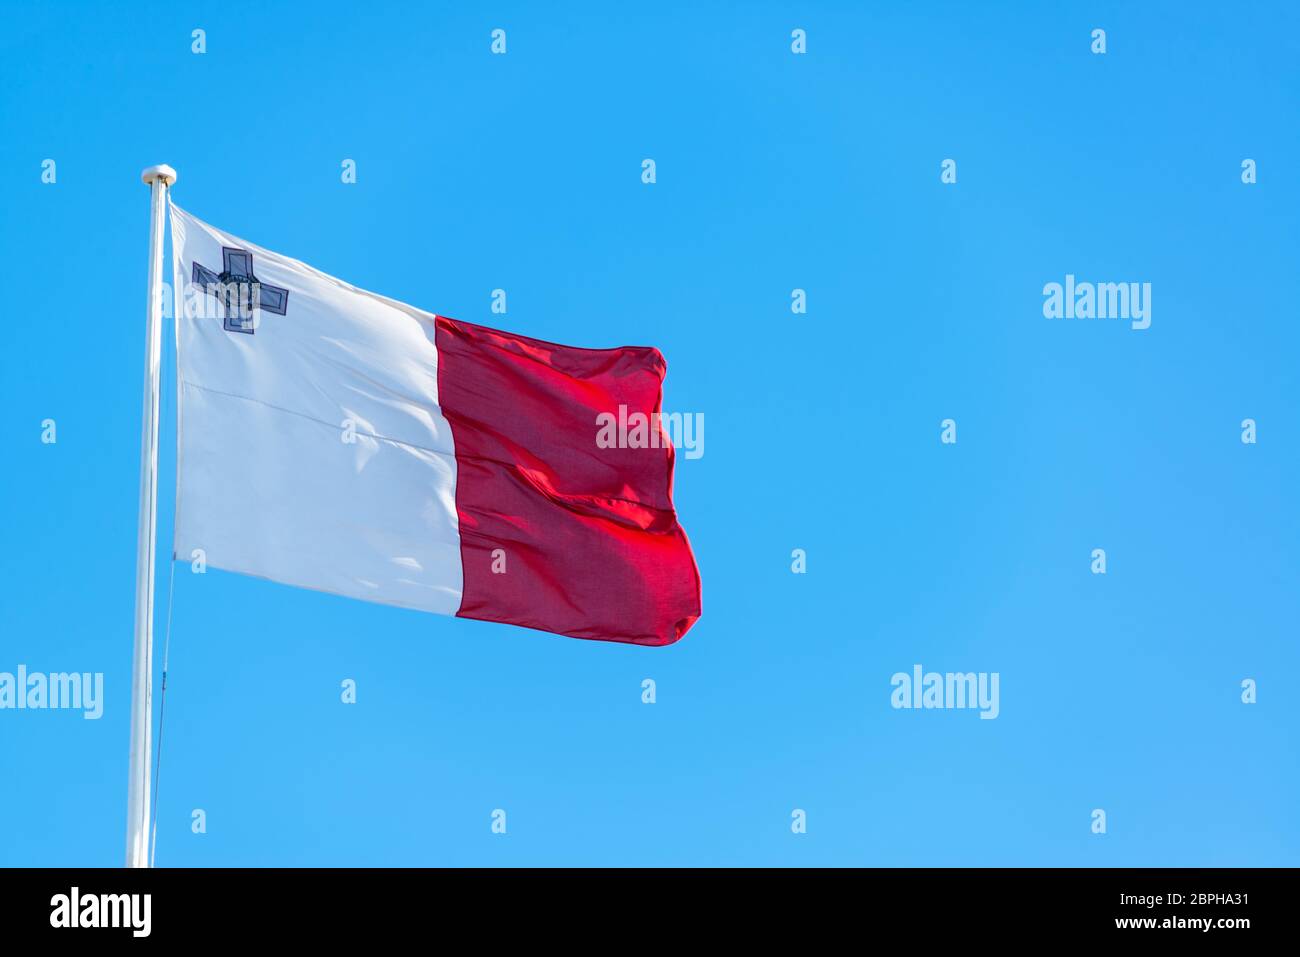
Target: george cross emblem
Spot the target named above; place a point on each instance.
(238, 291)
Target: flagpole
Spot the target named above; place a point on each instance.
(158, 178)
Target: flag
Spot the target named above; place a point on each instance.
(334, 439)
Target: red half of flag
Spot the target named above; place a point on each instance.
(589, 537)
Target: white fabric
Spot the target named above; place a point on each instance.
(267, 486)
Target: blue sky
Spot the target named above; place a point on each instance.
(775, 171)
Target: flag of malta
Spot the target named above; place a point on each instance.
(334, 439)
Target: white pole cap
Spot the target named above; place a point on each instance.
(164, 173)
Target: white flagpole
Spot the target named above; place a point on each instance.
(158, 178)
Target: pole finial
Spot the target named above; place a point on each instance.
(163, 172)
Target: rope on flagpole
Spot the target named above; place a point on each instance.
(162, 696)
(162, 713)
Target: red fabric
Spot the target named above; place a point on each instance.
(591, 540)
